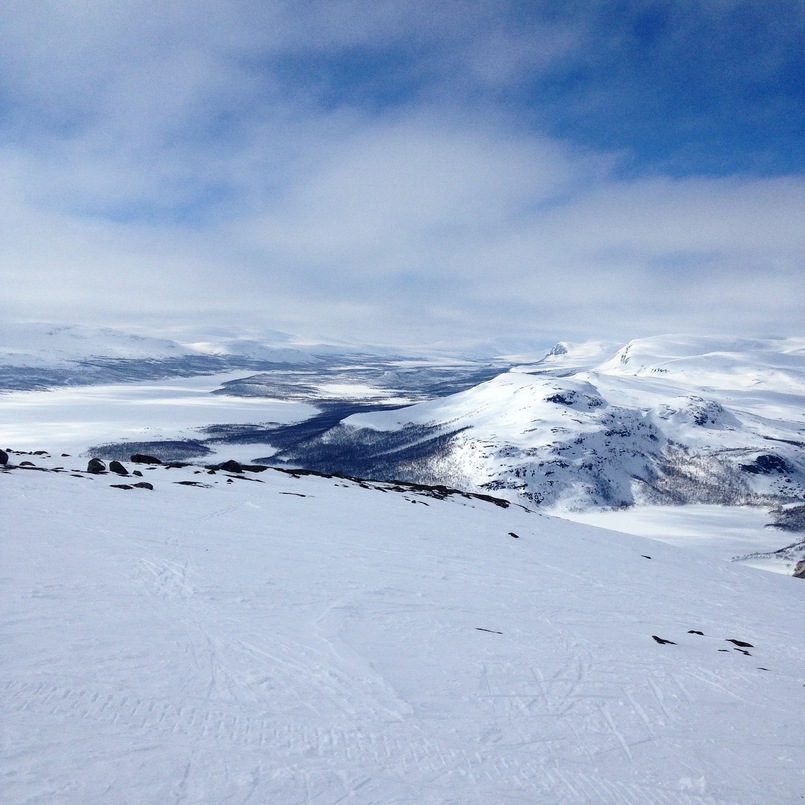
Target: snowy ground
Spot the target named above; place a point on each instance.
(314, 640)
(720, 532)
(73, 418)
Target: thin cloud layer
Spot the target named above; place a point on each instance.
(400, 174)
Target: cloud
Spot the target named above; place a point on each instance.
(393, 172)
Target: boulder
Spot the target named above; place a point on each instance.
(140, 458)
(231, 466)
(3, 457)
(143, 485)
(96, 466)
(117, 468)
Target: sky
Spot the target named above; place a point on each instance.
(405, 172)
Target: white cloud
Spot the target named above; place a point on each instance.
(155, 165)
(418, 228)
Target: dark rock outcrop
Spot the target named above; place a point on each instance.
(117, 468)
(141, 485)
(231, 466)
(3, 457)
(96, 466)
(767, 464)
(141, 458)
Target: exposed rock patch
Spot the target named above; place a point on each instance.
(231, 466)
(142, 458)
(766, 464)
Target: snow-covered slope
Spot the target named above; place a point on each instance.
(72, 418)
(711, 363)
(269, 638)
(667, 420)
(50, 345)
(41, 345)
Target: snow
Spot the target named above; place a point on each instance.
(714, 363)
(600, 435)
(720, 532)
(251, 348)
(41, 344)
(317, 640)
(73, 418)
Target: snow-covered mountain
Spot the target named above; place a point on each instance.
(39, 355)
(38, 345)
(239, 634)
(48, 345)
(666, 420)
(661, 420)
(584, 428)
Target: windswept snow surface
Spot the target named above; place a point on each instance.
(280, 639)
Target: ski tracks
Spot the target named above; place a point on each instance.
(417, 760)
(166, 578)
(226, 724)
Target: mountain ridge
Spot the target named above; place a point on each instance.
(561, 432)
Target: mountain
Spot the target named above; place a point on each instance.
(665, 420)
(51, 345)
(43, 356)
(35, 345)
(663, 426)
(247, 634)
(40, 356)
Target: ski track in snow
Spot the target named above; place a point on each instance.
(241, 644)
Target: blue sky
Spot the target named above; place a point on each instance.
(406, 172)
